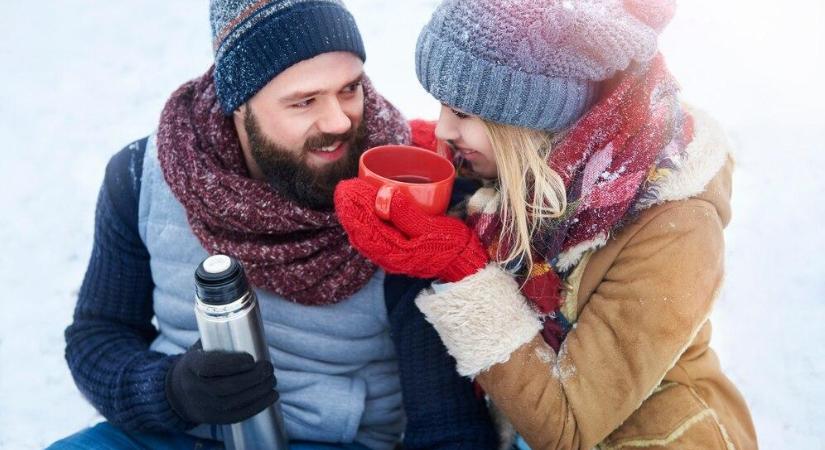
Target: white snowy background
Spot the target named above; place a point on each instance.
(81, 78)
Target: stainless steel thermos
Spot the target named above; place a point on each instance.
(229, 319)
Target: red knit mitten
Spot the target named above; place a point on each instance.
(413, 242)
(423, 136)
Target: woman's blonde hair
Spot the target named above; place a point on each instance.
(532, 194)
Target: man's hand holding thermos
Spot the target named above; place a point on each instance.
(227, 378)
(216, 387)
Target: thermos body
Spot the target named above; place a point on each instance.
(229, 319)
(233, 327)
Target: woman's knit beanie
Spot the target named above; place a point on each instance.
(533, 63)
(255, 40)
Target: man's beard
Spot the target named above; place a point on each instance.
(290, 175)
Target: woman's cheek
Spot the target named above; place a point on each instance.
(486, 168)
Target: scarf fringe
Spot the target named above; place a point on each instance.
(704, 157)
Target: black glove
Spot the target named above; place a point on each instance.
(219, 387)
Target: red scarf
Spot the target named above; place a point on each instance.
(301, 254)
(608, 161)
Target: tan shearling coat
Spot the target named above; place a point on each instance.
(637, 370)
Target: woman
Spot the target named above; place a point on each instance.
(602, 216)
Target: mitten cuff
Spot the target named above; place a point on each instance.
(469, 262)
(482, 319)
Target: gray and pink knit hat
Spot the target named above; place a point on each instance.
(534, 63)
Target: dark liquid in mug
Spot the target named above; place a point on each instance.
(415, 179)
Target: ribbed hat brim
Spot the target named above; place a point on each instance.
(499, 93)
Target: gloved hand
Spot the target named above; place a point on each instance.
(219, 387)
(414, 243)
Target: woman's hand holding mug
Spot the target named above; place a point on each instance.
(413, 238)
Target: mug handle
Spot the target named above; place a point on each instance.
(383, 200)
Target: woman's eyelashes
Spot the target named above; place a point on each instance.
(459, 114)
(455, 112)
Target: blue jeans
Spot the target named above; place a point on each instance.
(520, 444)
(105, 436)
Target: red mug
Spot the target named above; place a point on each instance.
(422, 174)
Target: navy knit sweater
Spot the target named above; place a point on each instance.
(107, 345)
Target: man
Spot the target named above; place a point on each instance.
(244, 162)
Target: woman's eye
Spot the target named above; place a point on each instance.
(460, 114)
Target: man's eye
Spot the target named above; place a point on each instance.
(303, 104)
(353, 87)
(459, 114)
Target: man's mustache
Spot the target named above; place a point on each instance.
(325, 139)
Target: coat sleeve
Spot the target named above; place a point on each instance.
(634, 327)
(107, 344)
(443, 410)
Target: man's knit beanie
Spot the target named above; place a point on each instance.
(534, 63)
(255, 40)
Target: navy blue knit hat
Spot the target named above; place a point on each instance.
(255, 40)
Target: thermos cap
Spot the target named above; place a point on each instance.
(217, 264)
(220, 280)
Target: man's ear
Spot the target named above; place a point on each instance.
(240, 112)
(238, 118)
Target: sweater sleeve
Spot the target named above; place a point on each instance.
(443, 410)
(107, 344)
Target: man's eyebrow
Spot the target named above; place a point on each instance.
(296, 96)
(357, 79)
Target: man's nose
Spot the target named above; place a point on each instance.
(334, 119)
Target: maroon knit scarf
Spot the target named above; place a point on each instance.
(609, 161)
(301, 254)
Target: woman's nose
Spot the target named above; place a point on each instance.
(447, 129)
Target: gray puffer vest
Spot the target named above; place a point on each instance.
(336, 365)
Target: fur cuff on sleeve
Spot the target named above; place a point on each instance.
(482, 319)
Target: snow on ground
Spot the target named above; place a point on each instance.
(81, 78)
